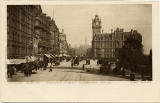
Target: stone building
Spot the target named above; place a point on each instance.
(48, 35)
(55, 44)
(30, 31)
(104, 45)
(20, 30)
(44, 41)
(37, 29)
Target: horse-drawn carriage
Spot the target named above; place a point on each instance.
(30, 64)
(13, 66)
(76, 61)
(87, 61)
(105, 66)
(26, 65)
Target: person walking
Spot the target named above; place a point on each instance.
(50, 66)
(14, 70)
(50, 69)
(72, 63)
(83, 66)
(132, 77)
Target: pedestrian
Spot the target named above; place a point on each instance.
(41, 65)
(14, 70)
(9, 71)
(50, 67)
(132, 77)
(44, 65)
(29, 71)
(72, 64)
(26, 69)
(83, 66)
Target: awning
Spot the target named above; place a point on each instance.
(47, 55)
(52, 55)
(65, 55)
(16, 61)
(60, 55)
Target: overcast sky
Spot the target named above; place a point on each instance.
(76, 20)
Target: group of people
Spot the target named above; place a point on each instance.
(11, 70)
(75, 61)
(26, 68)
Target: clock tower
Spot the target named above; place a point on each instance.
(96, 25)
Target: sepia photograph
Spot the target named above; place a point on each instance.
(80, 51)
(107, 42)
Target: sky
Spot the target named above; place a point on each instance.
(76, 20)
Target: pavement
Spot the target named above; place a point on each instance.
(63, 75)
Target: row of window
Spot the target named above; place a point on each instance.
(19, 25)
(24, 28)
(43, 24)
(105, 55)
(110, 56)
(110, 50)
(20, 17)
(23, 9)
(14, 36)
(17, 50)
(111, 37)
(108, 44)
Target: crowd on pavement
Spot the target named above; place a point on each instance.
(32, 64)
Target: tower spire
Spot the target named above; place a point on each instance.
(96, 25)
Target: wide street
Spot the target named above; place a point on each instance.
(63, 75)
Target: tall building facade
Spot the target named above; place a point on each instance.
(104, 45)
(56, 41)
(30, 32)
(51, 26)
(55, 44)
(20, 30)
(48, 35)
(44, 41)
(37, 29)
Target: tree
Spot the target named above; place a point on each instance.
(130, 54)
